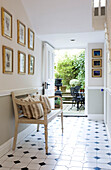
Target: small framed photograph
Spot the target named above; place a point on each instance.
(31, 64)
(96, 62)
(21, 33)
(6, 23)
(96, 53)
(96, 72)
(30, 39)
(7, 60)
(21, 62)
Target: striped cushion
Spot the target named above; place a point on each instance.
(37, 96)
(33, 110)
(37, 109)
(26, 109)
(45, 99)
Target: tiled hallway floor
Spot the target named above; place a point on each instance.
(83, 146)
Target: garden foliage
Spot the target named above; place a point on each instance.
(71, 67)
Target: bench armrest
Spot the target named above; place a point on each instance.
(22, 103)
(61, 105)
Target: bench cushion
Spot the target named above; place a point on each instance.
(33, 110)
(45, 99)
(37, 109)
(26, 109)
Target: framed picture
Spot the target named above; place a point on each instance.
(31, 63)
(21, 62)
(96, 72)
(21, 33)
(96, 62)
(96, 53)
(7, 60)
(6, 23)
(30, 39)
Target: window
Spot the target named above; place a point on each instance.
(96, 3)
(103, 3)
(99, 7)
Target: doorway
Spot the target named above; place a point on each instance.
(69, 65)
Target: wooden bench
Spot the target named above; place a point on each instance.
(19, 118)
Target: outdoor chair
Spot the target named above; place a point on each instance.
(77, 97)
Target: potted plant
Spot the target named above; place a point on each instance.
(63, 88)
(57, 103)
(74, 82)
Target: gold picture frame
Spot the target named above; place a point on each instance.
(96, 63)
(7, 60)
(21, 62)
(21, 33)
(31, 64)
(6, 19)
(96, 73)
(96, 53)
(31, 37)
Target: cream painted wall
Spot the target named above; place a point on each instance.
(108, 74)
(109, 44)
(16, 81)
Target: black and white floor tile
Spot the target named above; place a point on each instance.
(83, 146)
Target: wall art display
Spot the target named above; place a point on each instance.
(96, 53)
(31, 63)
(96, 62)
(6, 23)
(96, 72)
(21, 62)
(7, 60)
(21, 33)
(30, 39)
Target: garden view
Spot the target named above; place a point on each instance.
(70, 66)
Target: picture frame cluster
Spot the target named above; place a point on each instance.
(7, 52)
(96, 63)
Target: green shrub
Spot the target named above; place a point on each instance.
(71, 67)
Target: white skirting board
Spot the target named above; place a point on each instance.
(8, 145)
(109, 136)
(96, 116)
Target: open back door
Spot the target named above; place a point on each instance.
(48, 70)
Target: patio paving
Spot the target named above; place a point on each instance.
(69, 111)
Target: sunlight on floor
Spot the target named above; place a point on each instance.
(72, 111)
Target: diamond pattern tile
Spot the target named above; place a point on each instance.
(10, 155)
(83, 146)
(42, 163)
(17, 162)
(25, 152)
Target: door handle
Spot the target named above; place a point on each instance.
(46, 85)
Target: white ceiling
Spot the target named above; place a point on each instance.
(58, 21)
(62, 41)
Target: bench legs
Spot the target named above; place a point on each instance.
(62, 121)
(15, 136)
(46, 138)
(37, 127)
